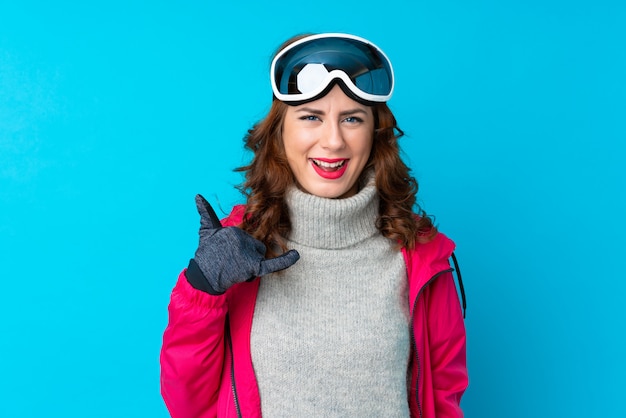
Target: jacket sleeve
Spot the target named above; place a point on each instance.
(447, 347)
(192, 354)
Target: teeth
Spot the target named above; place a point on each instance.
(329, 165)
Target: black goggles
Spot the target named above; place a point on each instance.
(306, 69)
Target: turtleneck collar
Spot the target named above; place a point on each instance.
(320, 222)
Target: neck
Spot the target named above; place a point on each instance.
(332, 223)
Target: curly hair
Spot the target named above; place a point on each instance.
(268, 176)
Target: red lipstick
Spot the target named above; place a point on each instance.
(330, 168)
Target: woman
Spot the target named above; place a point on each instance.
(323, 295)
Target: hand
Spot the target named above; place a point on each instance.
(227, 256)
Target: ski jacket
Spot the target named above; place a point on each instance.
(206, 362)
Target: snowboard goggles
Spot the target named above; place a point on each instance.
(306, 69)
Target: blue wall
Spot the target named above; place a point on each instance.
(114, 115)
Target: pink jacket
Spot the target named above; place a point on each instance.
(199, 378)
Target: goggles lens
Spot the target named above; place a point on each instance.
(304, 70)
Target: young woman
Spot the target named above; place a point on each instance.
(325, 294)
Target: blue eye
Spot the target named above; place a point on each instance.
(353, 119)
(310, 117)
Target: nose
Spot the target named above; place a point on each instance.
(332, 137)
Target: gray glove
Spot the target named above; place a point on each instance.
(226, 256)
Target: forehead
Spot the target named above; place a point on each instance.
(334, 101)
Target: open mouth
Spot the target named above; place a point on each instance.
(329, 165)
(330, 169)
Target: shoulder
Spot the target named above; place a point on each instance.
(431, 243)
(431, 256)
(235, 217)
(440, 246)
(427, 261)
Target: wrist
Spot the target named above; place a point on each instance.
(197, 280)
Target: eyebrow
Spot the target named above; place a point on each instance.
(321, 112)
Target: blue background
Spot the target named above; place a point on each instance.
(113, 115)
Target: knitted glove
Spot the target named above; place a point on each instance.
(226, 256)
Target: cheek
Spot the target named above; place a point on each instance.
(365, 149)
(296, 144)
(290, 139)
(290, 148)
(295, 155)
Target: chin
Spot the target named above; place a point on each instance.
(333, 193)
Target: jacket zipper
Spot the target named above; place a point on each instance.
(414, 340)
(232, 369)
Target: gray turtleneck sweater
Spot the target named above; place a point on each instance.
(330, 335)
